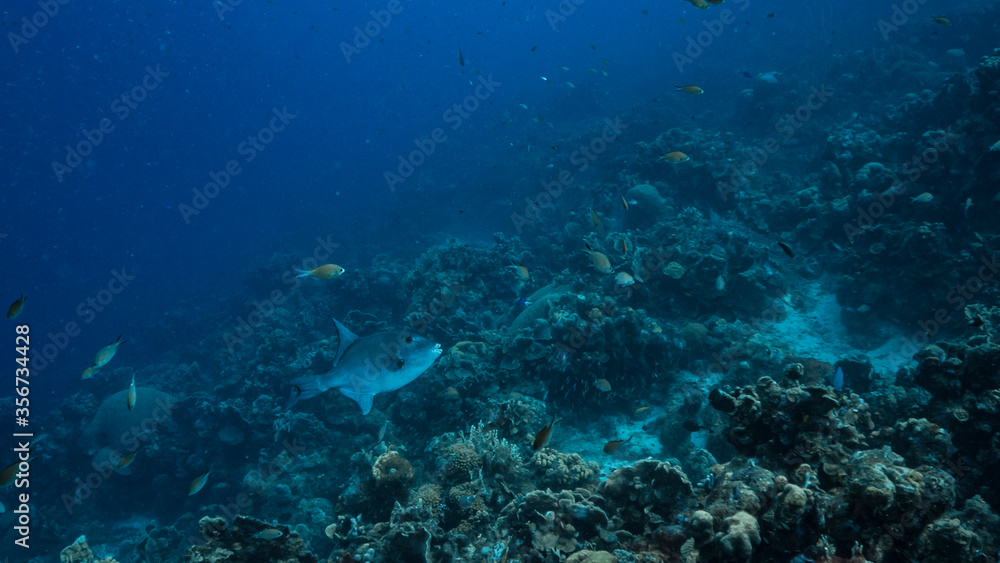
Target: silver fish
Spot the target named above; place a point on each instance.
(369, 365)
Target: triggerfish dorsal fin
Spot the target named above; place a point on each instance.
(364, 400)
(346, 338)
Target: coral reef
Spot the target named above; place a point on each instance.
(248, 540)
(79, 552)
(558, 470)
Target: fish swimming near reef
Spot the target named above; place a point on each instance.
(105, 354)
(369, 365)
(613, 446)
(543, 435)
(198, 483)
(269, 534)
(838, 379)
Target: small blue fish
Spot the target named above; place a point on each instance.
(838, 379)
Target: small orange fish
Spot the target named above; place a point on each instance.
(674, 157)
(15, 307)
(543, 435)
(690, 90)
(522, 271)
(324, 272)
(625, 203)
(641, 409)
(127, 460)
(941, 20)
(594, 219)
(623, 246)
(612, 446)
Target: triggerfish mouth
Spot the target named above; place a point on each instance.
(369, 365)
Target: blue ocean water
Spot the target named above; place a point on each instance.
(222, 71)
(168, 165)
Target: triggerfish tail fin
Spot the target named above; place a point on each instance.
(303, 388)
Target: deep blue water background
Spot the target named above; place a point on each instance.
(323, 175)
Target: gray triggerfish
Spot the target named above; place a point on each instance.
(369, 365)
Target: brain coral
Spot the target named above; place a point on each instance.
(113, 420)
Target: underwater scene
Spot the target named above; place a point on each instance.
(400, 281)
